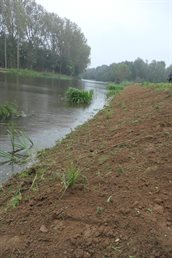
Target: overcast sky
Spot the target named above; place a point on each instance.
(119, 30)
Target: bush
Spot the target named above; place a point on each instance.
(76, 96)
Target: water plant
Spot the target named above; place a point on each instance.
(20, 147)
(77, 96)
(7, 111)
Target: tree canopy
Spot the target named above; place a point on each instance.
(31, 37)
(137, 71)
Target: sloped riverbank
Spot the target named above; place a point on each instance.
(120, 206)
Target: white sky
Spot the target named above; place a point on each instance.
(119, 30)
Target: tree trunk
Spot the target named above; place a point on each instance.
(5, 54)
(18, 55)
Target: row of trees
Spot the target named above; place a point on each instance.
(30, 37)
(137, 71)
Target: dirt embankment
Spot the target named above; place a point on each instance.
(125, 207)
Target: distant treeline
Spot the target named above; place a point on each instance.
(32, 38)
(137, 71)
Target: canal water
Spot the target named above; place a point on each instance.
(47, 117)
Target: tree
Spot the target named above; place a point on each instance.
(20, 24)
(156, 71)
(137, 71)
(34, 38)
(122, 72)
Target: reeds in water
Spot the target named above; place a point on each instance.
(77, 96)
(7, 111)
(20, 147)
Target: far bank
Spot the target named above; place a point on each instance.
(35, 74)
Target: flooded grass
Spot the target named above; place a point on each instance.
(7, 111)
(76, 96)
(20, 147)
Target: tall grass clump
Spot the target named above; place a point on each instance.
(114, 89)
(20, 147)
(7, 111)
(76, 96)
(69, 179)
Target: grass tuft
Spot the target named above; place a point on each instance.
(76, 96)
(7, 111)
(20, 147)
(69, 179)
(16, 199)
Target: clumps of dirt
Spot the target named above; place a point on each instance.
(124, 207)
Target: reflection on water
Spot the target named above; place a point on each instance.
(48, 118)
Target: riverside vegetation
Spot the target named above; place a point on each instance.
(35, 74)
(135, 72)
(114, 89)
(77, 96)
(20, 147)
(7, 111)
(158, 86)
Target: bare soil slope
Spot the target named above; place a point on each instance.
(124, 209)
